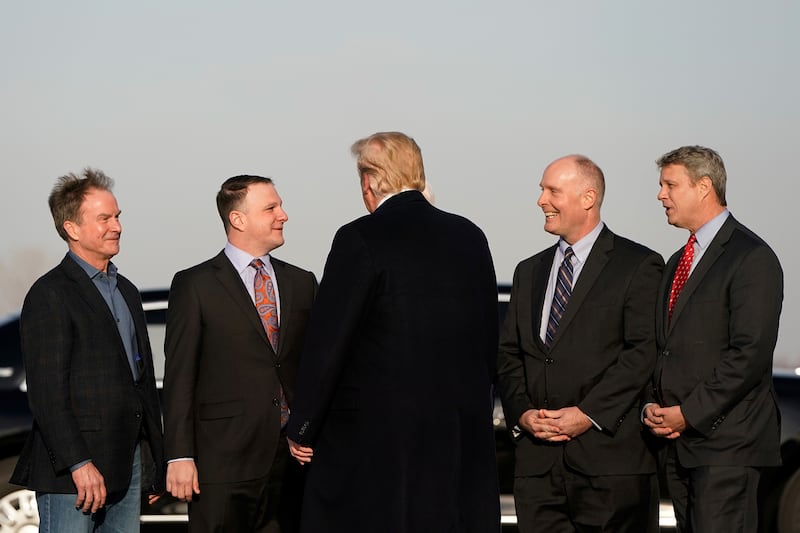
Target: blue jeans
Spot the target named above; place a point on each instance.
(57, 513)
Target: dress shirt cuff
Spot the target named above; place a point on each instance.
(78, 465)
(641, 415)
(180, 459)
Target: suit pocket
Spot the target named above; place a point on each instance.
(217, 410)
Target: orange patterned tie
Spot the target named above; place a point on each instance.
(268, 311)
(681, 273)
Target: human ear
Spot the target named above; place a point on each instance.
(72, 229)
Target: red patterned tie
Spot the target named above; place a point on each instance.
(681, 273)
(268, 311)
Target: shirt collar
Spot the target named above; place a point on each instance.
(241, 260)
(404, 189)
(583, 246)
(709, 230)
(92, 271)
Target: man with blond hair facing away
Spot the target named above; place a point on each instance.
(393, 409)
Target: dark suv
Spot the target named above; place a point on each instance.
(780, 489)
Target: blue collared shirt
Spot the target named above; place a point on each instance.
(106, 283)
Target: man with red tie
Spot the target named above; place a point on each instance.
(235, 328)
(716, 326)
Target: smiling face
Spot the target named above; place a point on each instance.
(95, 237)
(568, 201)
(682, 198)
(257, 224)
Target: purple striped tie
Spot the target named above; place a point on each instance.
(560, 296)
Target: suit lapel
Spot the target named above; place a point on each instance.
(715, 250)
(133, 301)
(662, 303)
(90, 294)
(598, 257)
(232, 283)
(285, 289)
(539, 279)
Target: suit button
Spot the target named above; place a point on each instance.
(277, 365)
(138, 414)
(548, 361)
(276, 402)
(665, 353)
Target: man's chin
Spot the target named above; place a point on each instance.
(550, 228)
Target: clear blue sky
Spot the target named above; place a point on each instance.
(170, 98)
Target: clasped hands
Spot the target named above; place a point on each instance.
(559, 425)
(666, 422)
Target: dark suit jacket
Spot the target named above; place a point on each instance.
(715, 357)
(601, 358)
(84, 400)
(222, 377)
(394, 389)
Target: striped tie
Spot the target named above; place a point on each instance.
(560, 296)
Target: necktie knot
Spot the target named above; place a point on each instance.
(257, 263)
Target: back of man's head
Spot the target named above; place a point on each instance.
(392, 161)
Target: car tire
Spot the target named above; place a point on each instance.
(18, 510)
(789, 506)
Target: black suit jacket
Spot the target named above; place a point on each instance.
(394, 389)
(84, 400)
(715, 356)
(601, 358)
(222, 377)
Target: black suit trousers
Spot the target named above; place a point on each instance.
(563, 500)
(711, 499)
(269, 504)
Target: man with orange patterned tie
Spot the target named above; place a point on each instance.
(716, 328)
(235, 328)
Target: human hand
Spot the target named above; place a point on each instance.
(541, 427)
(665, 422)
(91, 488)
(570, 421)
(303, 454)
(182, 479)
